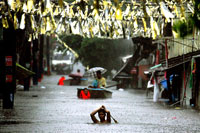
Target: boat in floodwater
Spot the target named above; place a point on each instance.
(96, 93)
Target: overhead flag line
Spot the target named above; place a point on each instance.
(102, 19)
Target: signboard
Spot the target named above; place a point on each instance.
(9, 61)
(133, 70)
(9, 78)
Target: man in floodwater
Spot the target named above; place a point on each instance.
(102, 113)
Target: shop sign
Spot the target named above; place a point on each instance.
(9, 78)
(9, 61)
(134, 70)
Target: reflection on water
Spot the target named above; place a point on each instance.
(14, 122)
(59, 110)
(101, 123)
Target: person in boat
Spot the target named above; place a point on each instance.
(79, 76)
(76, 77)
(103, 114)
(60, 82)
(99, 82)
(79, 72)
(85, 94)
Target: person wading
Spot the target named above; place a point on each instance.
(61, 81)
(102, 113)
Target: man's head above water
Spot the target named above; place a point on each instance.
(102, 114)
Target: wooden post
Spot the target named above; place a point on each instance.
(166, 53)
(48, 55)
(167, 32)
(157, 55)
(35, 61)
(27, 61)
(8, 65)
(2, 62)
(41, 69)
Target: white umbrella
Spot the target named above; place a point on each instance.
(92, 71)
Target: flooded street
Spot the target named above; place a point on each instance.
(138, 44)
(52, 108)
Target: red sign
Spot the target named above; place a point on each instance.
(9, 61)
(9, 78)
(133, 71)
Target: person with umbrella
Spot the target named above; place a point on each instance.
(99, 82)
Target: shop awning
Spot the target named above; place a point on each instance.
(174, 62)
(22, 72)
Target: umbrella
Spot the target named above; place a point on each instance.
(75, 75)
(92, 71)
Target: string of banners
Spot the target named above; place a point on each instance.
(98, 18)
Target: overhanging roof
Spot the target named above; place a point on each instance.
(176, 61)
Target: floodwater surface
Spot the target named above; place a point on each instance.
(52, 108)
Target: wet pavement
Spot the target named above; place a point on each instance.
(51, 108)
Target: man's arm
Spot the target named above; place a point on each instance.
(108, 115)
(94, 119)
(104, 82)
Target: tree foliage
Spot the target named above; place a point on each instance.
(196, 16)
(73, 41)
(70, 1)
(95, 52)
(186, 27)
